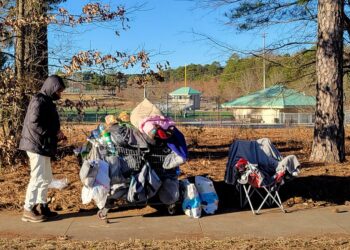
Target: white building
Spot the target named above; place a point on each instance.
(185, 97)
(276, 104)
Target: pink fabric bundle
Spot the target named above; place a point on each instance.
(149, 124)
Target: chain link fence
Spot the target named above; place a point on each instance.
(210, 114)
(205, 118)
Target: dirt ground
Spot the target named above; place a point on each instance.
(318, 185)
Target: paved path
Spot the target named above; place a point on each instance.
(271, 223)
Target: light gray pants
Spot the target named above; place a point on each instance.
(40, 178)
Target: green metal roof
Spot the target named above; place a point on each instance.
(276, 96)
(185, 91)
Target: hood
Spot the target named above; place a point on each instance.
(51, 85)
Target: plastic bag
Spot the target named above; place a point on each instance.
(86, 195)
(102, 177)
(59, 183)
(191, 204)
(169, 191)
(99, 195)
(88, 173)
(207, 193)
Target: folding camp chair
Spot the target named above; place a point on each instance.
(251, 183)
(269, 195)
(255, 168)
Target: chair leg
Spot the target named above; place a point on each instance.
(248, 198)
(240, 196)
(276, 195)
(280, 202)
(271, 197)
(264, 200)
(269, 200)
(248, 194)
(277, 201)
(250, 191)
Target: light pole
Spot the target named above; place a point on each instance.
(264, 78)
(185, 75)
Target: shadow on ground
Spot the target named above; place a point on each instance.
(329, 189)
(209, 151)
(332, 189)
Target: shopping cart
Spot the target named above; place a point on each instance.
(136, 158)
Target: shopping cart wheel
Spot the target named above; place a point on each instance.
(171, 209)
(102, 214)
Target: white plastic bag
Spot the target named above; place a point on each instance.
(207, 193)
(102, 177)
(86, 195)
(97, 193)
(59, 183)
(192, 202)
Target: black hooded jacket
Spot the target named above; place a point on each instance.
(41, 123)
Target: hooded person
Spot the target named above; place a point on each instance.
(40, 135)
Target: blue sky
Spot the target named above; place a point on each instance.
(164, 28)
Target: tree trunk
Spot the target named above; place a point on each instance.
(328, 143)
(37, 46)
(19, 44)
(31, 65)
(31, 46)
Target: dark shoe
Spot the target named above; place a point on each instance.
(31, 216)
(44, 210)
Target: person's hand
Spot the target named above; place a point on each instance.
(61, 136)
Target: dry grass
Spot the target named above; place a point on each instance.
(325, 242)
(208, 156)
